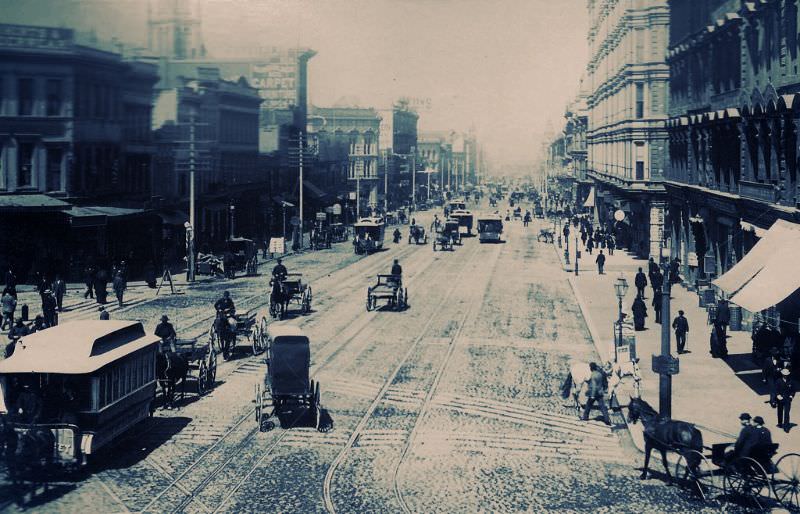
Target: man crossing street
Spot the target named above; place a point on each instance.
(601, 261)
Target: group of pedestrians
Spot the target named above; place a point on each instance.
(97, 279)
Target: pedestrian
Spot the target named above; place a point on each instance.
(656, 281)
(640, 281)
(652, 268)
(612, 244)
(88, 279)
(781, 398)
(763, 435)
(723, 317)
(11, 278)
(590, 246)
(59, 290)
(9, 304)
(681, 326)
(583, 237)
(639, 310)
(718, 343)
(566, 231)
(118, 284)
(597, 388)
(100, 284)
(601, 261)
(49, 306)
(103, 313)
(674, 271)
(150, 274)
(657, 302)
(38, 324)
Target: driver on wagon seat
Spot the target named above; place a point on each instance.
(279, 272)
(166, 332)
(397, 271)
(225, 303)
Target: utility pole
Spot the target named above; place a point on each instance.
(414, 178)
(302, 150)
(190, 240)
(386, 183)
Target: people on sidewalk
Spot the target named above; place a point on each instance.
(640, 281)
(657, 297)
(118, 284)
(681, 326)
(639, 310)
(783, 392)
(88, 279)
(9, 304)
(718, 343)
(601, 261)
(59, 290)
(611, 243)
(656, 281)
(723, 317)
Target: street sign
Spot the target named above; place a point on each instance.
(337, 209)
(666, 365)
(321, 216)
(277, 245)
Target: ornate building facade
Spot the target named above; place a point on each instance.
(626, 141)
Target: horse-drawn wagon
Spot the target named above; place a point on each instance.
(447, 236)
(369, 233)
(339, 233)
(200, 361)
(287, 391)
(228, 327)
(284, 292)
(244, 256)
(417, 235)
(387, 288)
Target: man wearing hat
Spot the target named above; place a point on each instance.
(781, 398)
(748, 437)
(165, 330)
(103, 313)
(763, 433)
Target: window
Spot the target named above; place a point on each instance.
(640, 47)
(25, 97)
(639, 100)
(640, 159)
(24, 164)
(54, 156)
(54, 97)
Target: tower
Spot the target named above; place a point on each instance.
(174, 29)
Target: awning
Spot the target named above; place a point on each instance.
(313, 190)
(766, 275)
(97, 216)
(589, 199)
(749, 227)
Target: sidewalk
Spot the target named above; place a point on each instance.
(711, 393)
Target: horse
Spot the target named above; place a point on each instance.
(171, 368)
(665, 435)
(225, 327)
(278, 299)
(29, 458)
(576, 383)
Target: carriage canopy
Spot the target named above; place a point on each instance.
(289, 360)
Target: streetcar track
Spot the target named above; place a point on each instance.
(360, 426)
(252, 432)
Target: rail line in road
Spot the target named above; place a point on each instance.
(218, 469)
(361, 425)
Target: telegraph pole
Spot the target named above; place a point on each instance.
(386, 183)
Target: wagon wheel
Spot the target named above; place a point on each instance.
(369, 302)
(259, 401)
(202, 378)
(256, 338)
(425, 240)
(745, 479)
(786, 481)
(702, 480)
(213, 336)
(212, 368)
(434, 245)
(315, 404)
(405, 297)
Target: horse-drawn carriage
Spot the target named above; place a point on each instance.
(291, 289)
(209, 264)
(339, 233)
(715, 473)
(546, 235)
(388, 288)
(321, 237)
(489, 228)
(244, 256)
(369, 233)
(538, 211)
(287, 390)
(58, 389)
(228, 327)
(201, 365)
(417, 235)
(447, 236)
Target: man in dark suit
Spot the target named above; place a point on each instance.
(681, 326)
(641, 282)
(597, 388)
(723, 318)
(748, 437)
(781, 398)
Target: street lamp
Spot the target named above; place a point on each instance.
(621, 289)
(232, 214)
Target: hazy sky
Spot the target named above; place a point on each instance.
(504, 66)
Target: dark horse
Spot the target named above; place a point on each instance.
(224, 325)
(278, 299)
(665, 435)
(170, 369)
(28, 456)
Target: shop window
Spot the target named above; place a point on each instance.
(25, 97)
(640, 160)
(24, 164)
(54, 97)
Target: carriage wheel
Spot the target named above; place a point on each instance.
(425, 241)
(259, 401)
(702, 480)
(786, 481)
(202, 378)
(255, 339)
(369, 302)
(434, 246)
(213, 337)
(315, 405)
(745, 479)
(405, 297)
(212, 368)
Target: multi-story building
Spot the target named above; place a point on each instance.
(398, 141)
(626, 138)
(577, 122)
(352, 133)
(434, 150)
(733, 128)
(75, 124)
(220, 118)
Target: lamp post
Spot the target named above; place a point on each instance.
(232, 215)
(577, 255)
(621, 289)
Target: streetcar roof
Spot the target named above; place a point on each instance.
(275, 331)
(77, 347)
(490, 217)
(369, 222)
(460, 212)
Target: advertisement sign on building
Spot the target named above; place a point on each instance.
(277, 245)
(39, 38)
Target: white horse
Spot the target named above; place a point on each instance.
(576, 384)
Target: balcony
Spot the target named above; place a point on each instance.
(758, 191)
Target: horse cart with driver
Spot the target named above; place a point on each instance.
(489, 228)
(291, 289)
(417, 235)
(447, 236)
(244, 256)
(388, 288)
(228, 327)
(339, 233)
(201, 360)
(287, 391)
